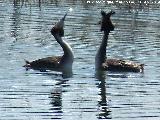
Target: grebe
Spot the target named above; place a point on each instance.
(56, 63)
(101, 63)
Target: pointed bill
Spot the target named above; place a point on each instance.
(58, 27)
(60, 24)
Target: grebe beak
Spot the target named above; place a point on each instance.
(59, 27)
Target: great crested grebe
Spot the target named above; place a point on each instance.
(56, 63)
(101, 62)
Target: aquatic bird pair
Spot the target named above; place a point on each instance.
(64, 63)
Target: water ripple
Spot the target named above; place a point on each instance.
(25, 34)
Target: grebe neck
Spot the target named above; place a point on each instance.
(101, 53)
(67, 58)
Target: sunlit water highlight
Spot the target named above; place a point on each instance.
(33, 95)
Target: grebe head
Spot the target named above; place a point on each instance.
(106, 23)
(58, 28)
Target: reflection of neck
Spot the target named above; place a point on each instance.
(101, 76)
(67, 58)
(101, 54)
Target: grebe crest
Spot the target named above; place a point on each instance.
(106, 23)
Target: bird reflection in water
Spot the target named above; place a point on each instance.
(102, 104)
(56, 99)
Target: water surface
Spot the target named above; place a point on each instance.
(33, 95)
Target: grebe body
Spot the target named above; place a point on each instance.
(55, 63)
(101, 61)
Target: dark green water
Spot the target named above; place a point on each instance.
(33, 95)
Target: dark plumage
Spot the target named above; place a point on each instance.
(122, 65)
(43, 64)
(101, 63)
